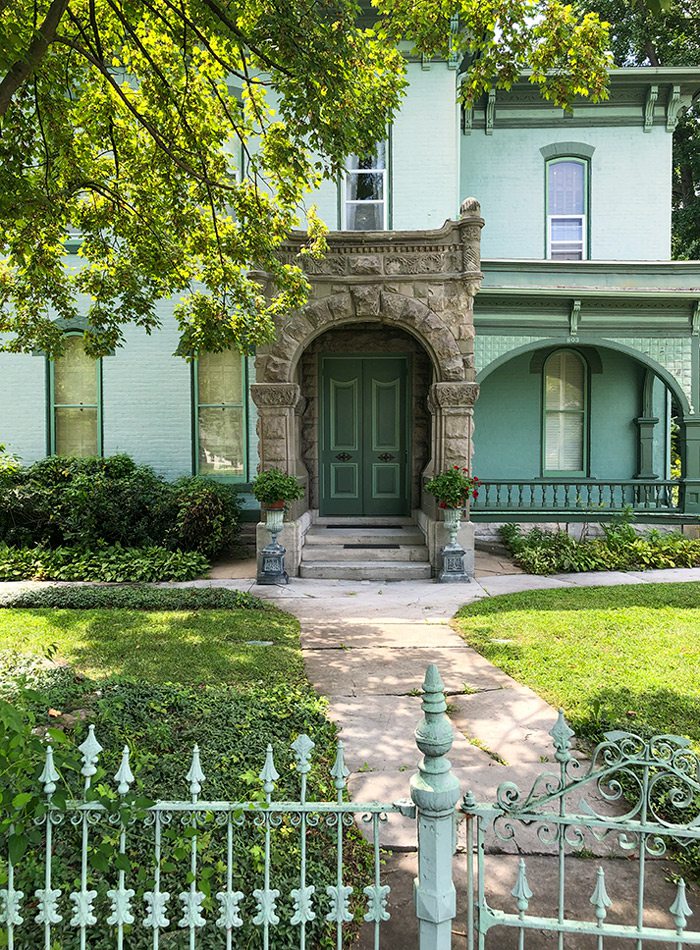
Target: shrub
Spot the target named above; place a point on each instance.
(72, 501)
(620, 549)
(207, 516)
(111, 563)
(133, 598)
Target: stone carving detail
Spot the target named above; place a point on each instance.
(370, 264)
(275, 395)
(456, 395)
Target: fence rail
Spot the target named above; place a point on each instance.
(579, 496)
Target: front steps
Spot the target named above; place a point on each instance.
(365, 549)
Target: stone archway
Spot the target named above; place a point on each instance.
(422, 283)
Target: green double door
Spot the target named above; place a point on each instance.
(363, 444)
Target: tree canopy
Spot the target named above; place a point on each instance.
(650, 34)
(179, 139)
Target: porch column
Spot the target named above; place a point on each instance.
(690, 465)
(452, 409)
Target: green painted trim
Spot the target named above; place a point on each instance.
(51, 403)
(573, 473)
(499, 516)
(195, 405)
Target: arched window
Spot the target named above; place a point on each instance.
(75, 394)
(220, 416)
(567, 209)
(565, 414)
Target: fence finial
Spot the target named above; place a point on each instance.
(340, 771)
(521, 892)
(302, 747)
(49, 776)
(91, 749)
(124, 776)
(562, 734)
(679, 908)
(269, 774)
(195, 776)
(599, 898)
(435, 791)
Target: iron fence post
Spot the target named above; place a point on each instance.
(435, 792)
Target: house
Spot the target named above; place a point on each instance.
(557, 352)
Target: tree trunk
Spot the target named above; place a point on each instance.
(20, 71)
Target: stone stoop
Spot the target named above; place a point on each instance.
(365, 549)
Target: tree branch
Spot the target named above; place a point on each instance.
(20, 71)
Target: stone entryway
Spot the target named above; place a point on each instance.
(420, 284)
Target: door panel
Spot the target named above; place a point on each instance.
(363, 438)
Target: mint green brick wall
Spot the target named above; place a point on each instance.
(507, 436)
(147, 400)
(23, 405)
(425, 144)
(424, 179)
(630, 189)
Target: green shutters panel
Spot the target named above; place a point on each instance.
(363, 451)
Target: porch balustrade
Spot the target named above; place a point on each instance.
(580, 496)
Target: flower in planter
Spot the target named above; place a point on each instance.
(454, 487)
(274, 488)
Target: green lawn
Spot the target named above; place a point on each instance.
(625, 657)
(179, 646)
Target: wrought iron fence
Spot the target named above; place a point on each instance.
(106, 908)
(636, 797)
(579, 496)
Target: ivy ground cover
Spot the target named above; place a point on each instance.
(160, 680)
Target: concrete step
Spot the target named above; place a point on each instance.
(333, 537)
(365, 570)
(350, 521)
(337, 552)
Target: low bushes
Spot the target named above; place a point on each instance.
(113, 501)
(109, 563)
(133, 597)
(619, 549)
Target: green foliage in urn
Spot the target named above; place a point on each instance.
(454, 487)
(275, 486)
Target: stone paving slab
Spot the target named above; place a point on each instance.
(340, 634)
(391, 671)
(596, 579)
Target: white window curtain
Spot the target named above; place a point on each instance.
(565, 413)
(221, 437)
(75, 401)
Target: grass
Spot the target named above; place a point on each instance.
(197, 646)
(611, 657)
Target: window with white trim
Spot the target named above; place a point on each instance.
(75, 384)
(220, 417)
(565, 414)
(567, 220)
(365, 191)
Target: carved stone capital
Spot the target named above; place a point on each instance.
(454, 395)
(275, 395)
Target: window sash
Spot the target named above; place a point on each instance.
(60, 438)
(565, 414)
(352, 179)
(565, 249)
(211, 456)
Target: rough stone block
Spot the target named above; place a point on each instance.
(367, 301)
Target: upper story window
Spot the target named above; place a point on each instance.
(567, 227)
(75, 390)
(366, 186)
(565, 414)
(220, 417)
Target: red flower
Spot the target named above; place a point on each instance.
(456, 467)
(475, 494)
(442, 505)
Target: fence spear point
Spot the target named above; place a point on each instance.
(679, 908)
(124, 776)
(195, 776)
(50, 775)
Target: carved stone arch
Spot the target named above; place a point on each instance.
(362, 304)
